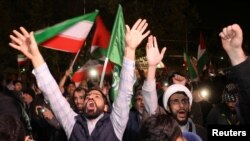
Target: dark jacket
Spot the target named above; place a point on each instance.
(133, 126)
(221, 115)
(241, 74)
(103, 131)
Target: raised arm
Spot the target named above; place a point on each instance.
(231, 38)
(149, 86)
(64, 78)
(120, 112)
(25, 43)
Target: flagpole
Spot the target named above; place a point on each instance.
(73, 62)
(103, 71)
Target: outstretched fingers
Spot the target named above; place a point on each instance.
(25, 32)
(15, 40)
(155, 42)
(145, 34)
(32, 38)
(136, 24)
(127, 28)
(163, 51)
(19, 35)
(14, 46)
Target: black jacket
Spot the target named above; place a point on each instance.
(241, 74)
(103, 131)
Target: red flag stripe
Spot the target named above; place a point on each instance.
(64, 44)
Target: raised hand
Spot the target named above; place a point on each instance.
(135, 35)
(25, 43)
(154, 57)
(68, 71)
(231, 38)
(178, 79)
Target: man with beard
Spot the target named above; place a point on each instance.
(78, 96)
(177, 99)
(232, 42)
(95, 102)
(225, 113)
(94, 124)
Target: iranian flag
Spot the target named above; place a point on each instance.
(67, 36)
(21, 59)
(100, 41)
(83, 72)
(202, 55)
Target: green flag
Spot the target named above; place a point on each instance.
(202, 55)
(116, 50)
(192, 70)
(117, 41)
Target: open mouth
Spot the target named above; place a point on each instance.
(91, 105)
(182, 114)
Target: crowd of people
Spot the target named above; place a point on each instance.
(47, 110)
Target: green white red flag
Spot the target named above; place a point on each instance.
(21, 59)
(67, 36)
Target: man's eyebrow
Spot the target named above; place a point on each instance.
(94, 93)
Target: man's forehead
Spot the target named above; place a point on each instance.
(94, 92)
(178, 95)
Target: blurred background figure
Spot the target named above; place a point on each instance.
(225, 113)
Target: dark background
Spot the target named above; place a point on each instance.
(176, 23)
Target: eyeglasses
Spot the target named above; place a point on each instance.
(184, 101)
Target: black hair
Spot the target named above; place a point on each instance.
(160, 128)
(99, 90)
(78, 89)
(11, 129)
(30, 92)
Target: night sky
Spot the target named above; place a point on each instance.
(213, 16)
(220, 13)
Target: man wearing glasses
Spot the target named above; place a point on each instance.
(177, 99)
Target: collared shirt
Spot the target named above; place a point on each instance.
(66, 116)
(92, 123)
(188, 127)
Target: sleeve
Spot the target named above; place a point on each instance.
(241, 74)
(52, 93)
(149, 94)
(120, 112)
